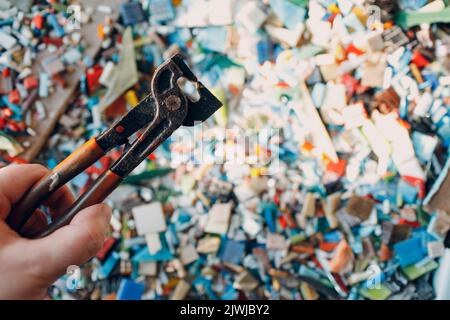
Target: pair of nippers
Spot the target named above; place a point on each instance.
(156, 117)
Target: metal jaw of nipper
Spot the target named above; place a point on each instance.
(157, 116)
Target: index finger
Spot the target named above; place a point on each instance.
(15, 181)
(23, 177)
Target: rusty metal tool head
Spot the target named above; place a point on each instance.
(156, 117)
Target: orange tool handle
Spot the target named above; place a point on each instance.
(98, 191)
(75, 163)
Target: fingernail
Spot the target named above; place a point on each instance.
(106, 212)
(106, 209)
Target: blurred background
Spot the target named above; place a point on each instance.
(323, 176)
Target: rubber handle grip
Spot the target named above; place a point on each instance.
(75, 163)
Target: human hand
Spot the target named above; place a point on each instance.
(29, 267)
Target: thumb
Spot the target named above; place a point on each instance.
(75, 243)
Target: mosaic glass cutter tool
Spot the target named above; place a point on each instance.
(156, 117)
